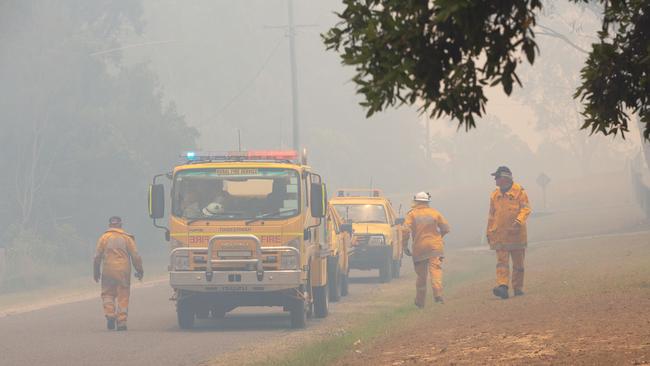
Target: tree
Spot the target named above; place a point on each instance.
(549, 85)
(443, 53)
(82, 134)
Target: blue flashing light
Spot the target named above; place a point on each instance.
(190, 155)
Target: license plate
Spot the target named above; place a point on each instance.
(234, 253)
(229, 288)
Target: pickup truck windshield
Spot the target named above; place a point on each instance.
(352, 214)
(236, 193)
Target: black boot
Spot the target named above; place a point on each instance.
(501, 291)
(519, 293)
(438, 299)
(121, 327)
(110, 323)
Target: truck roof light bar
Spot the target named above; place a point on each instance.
(348, 192)
(252, 155)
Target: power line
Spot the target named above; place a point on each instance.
(249, 83)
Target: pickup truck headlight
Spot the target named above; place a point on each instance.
(289, 260)
(376, 240)
(181, 262)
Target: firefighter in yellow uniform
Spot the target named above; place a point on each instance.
(427, 227)
(506, 231)
(115, 253)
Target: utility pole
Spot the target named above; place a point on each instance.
(294, 79)
(291, 33)
(427, 142)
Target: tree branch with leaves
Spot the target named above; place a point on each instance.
(442, 54)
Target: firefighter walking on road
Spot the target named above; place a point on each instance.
(427, 227)
(506, 231)
(116, 252)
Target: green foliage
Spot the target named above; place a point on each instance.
(616, 75)
(82, 134)
(441, 55)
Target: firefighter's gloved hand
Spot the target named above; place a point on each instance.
(407, 251)
(139, 275)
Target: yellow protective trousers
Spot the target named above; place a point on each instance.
(431, 267)
(116, 294)
(503, 267)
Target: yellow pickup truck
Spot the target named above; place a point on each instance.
(376, 238)
(246, 229)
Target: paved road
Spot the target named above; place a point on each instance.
(75, 334)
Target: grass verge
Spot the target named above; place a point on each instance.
(364, 329)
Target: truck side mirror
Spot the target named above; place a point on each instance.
(399, 221)
(346, 228)
(318, 200)
(156, 201)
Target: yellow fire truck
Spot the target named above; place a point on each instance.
(246, 229)
(338, 265)
(377, 239)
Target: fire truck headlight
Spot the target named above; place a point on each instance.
(181, 262)
(376, 240)
(289, 260)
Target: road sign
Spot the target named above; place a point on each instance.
(543, 180)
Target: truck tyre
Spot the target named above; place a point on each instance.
(218, 313)
(298, 313)
(203, 313)
(334, 279)
(321, 305)
(397, 265)
(385, 269)
(345, 283)
(309, 293)
(185, 314)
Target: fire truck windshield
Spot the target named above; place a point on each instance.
(236, 194)
(362, 213)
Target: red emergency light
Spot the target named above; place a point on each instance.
(273, 155)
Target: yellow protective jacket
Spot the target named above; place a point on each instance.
(426, 226)
(115, 252)
(509, 211)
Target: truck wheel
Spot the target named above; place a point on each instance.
(321, 305)
(218, 313)
(385, 269)
(345, 283)
(298, 313)
(397, 265)
(203, 313)
(185, 314)
(334, 279)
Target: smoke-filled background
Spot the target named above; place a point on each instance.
(98, 96)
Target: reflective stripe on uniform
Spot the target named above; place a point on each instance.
(510, 246)
(426, 255)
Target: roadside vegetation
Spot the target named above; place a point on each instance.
(82, 135)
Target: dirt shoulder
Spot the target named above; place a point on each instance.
(587, 302)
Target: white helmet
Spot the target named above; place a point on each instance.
(212, 209)
(422, 197)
